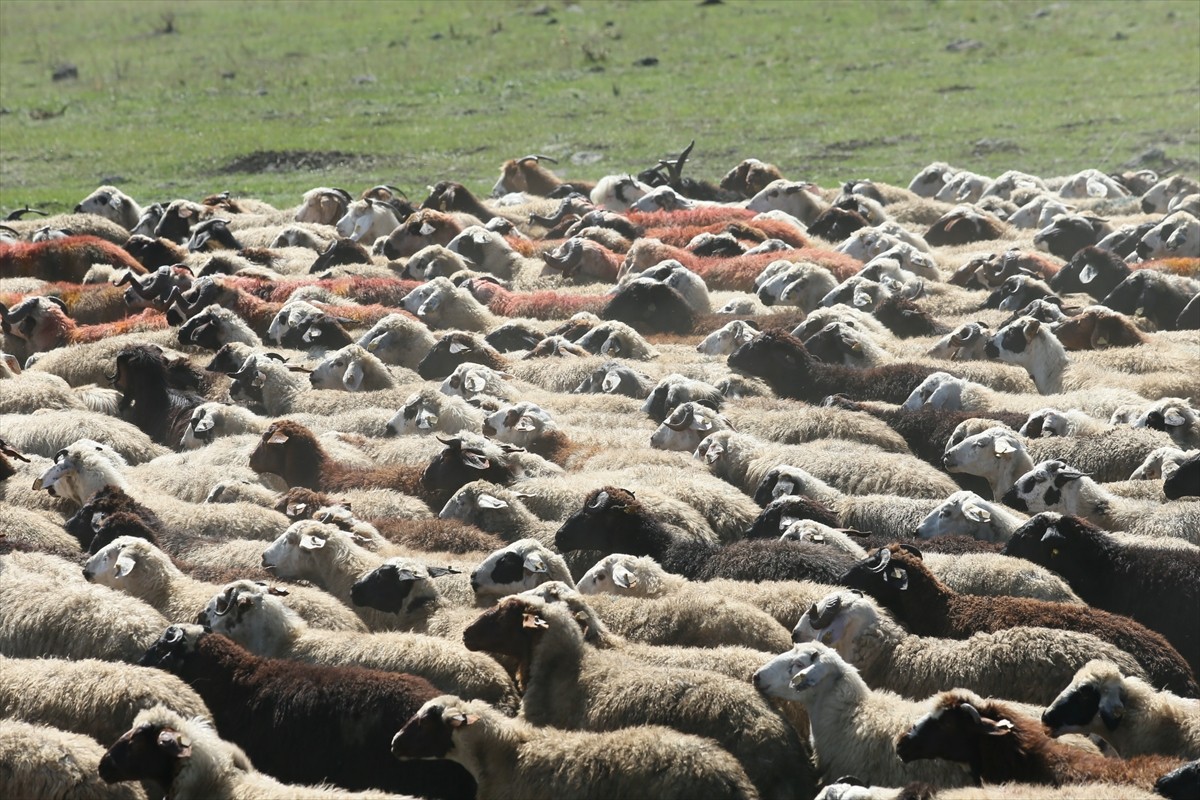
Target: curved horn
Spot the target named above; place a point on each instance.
(885, 556)
(689, 414)
(823, 618)
(537, 158)
(19, 312)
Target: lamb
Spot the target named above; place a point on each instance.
(353, 369)
(138, 568)
(1001, 745)
(1054, 486)
(1133, 576)
(270, 707)
(46, 609)
(1126, 711)
(95, 698)
(966, 513)
(511, 758)
(744, 461)
(45, 762)
(186, 759)
(1025, 664)
(832, 692)
(612, 520)
(111, 203)
(572, 686)
(262, 624)
(903, 584)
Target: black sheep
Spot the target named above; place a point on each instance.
(1160, 588)
(458, 348)
(783, 362)
(305, 723)
(901, 582)
(1068, 234)
(650, 308)
(150, 398)
(1092, 270)
(836, 224)
(1184, 481)
(1161, 298)
(612, 520)
(111, 502)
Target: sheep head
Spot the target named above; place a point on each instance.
(886, 573)
(607, 522)
(513, 627)
(173, 647)
(430, 732)
(954, 730)
(147, 752)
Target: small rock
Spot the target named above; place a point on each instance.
(962, 45)
(648, 61)
(64, 72)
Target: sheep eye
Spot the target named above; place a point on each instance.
(945, 512)
(601, 576)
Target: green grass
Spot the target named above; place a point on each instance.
(415, 92)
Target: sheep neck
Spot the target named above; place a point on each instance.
(1010, 467)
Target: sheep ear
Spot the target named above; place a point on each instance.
(807, 677)
(437, 572)
(861, 299)
(429, 306)
(534, 564)
(534, 621)
(524, 423)
(205, 424)
(977, 513)
(1000, 727)
(475, 460)
(783, 487)
(457, 347)
(174, 743)
(487, 501)
(459, 720)
(475, 384)
(1053, 536)
(124, 565)
(1004, 446)
(426, 419)
(623, 577)
(1087, 274)
(373, 345)
(1173, 418)
(308, 542)
(278, 437)
(611, 381)
(426, 230)
(713, 453)
(1031, 328)
(353, 378)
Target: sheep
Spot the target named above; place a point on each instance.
(1183, 482)
(67, 259)
(612, 377)
(138, 568)
(617, 340)
(1067, 234)
(1161, 463)
(1174, 416)
(430, 411)
(966, 513)
(1001, 745)
(43, 323)
(404, 588)
(1026, 664)
(783, 362)
(641, 576)
(424, 228)
(186, 759)
(398, 339)
(48, 610)
(330, 558)
(323, 205)
(1052, 485)
(83, 469)
(522, 565)
(529, 176)
(270, 707)
(744, 461)
(47, 432)
(650, 307)
(262, 624)
(1176, 236)
(962, 225)
(511, 758)
(211, 421)
(111, 203)
(849, 788)
(1181, 783)
(572, 686)
(728, 338)
(674, 389)
(832, 691)
(215, 327)
(1159, 297)
(353, 369)
(1127, 711)
(941, 390)
(903, 584)
(1129, 576)
(614, 521)
(45, 762)
(95, 698)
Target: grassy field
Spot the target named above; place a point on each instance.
(181, 99)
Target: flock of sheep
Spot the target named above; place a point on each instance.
(643, 487)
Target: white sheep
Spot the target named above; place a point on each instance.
(1177, 236)
(262, 624)
(430, 411)
(323, 206)
(967, 514)
(1161, 463)
(138, 568)
(1128, 712)
(96, 698)
(618, 192)
(617, 340)
(511, 758)
(728, 337)
(47, 432)
(833, 692)
(524, 564)
(799, 199)
(470, 380)
(354, 369)
(212, 421)
(398, 339)
(367, 220)
(1021, 663)
(44, 762)
(111, 203)
(945, 391)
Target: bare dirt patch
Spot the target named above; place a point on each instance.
(292, 161)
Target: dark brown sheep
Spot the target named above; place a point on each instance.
(898, 578)
(1001, 745)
